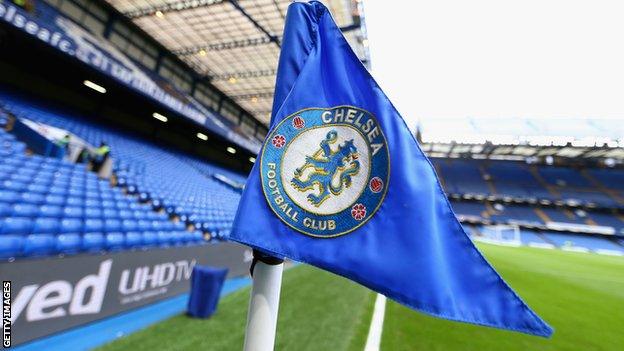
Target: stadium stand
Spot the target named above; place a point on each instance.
(514, 179)
(563, 177)
(49, 206)
(608, 220)
(520, 180)
(462, 177)
(561, 215)
(515, 213)
(554, 206)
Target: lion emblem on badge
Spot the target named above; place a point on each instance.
(327, 171)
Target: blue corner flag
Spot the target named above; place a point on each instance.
(342, 184)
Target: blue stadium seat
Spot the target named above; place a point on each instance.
(5, 209)
(185, 236)
(71, 225)
(115, 241)
(112, 225)
(92, 212)
(156, 225)
(68, 243)
(16, 225)
(125, 214)
(164, 238)
(8, 196)
(55, 199)
(179, 237)
(93, 225)
(110, 213)
(50, 211)
(92, 242)
(198, 236)
(58, 190)
(37, 188)
(150, 239)
(143, 225)
(32, 198)
(152, 215)
(75, 201)
(134, 239)
(42, 180)
(128, 225)
(11, 246)
(24, 210)
(39, 245)
(46, 225)
(77, 192)
(13, 185)
(92, 203)
(73, 212)
(138, 214)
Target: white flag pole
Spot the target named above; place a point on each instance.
(263, 304)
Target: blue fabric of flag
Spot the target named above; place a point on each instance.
(403, 242)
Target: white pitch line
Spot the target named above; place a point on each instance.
(373, 341)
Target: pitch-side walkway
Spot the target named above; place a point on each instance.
(106, 330)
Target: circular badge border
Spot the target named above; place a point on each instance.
(383, 195)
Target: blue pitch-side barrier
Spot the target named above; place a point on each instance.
(109, 329)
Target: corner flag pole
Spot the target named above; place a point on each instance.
(264, 303)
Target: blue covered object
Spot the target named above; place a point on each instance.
(206, 284)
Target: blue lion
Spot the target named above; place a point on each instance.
(327, 164)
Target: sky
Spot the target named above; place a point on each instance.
(546, 59)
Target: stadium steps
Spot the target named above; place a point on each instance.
(489, 211)
(569, 214)
(488, 179)
(598, 185)
(543, 216)
(553, 191)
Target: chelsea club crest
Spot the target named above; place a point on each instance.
(324, 171)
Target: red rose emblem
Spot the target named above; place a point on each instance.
(376, 184)
(298, 122)
(358, 211)
(278, 141)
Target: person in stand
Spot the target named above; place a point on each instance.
(64, 141)
(84, 156)
(101, 155)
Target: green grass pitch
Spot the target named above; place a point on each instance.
(580, 295)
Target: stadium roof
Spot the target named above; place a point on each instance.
(234, 43)
(578, 132)
(524, 138)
